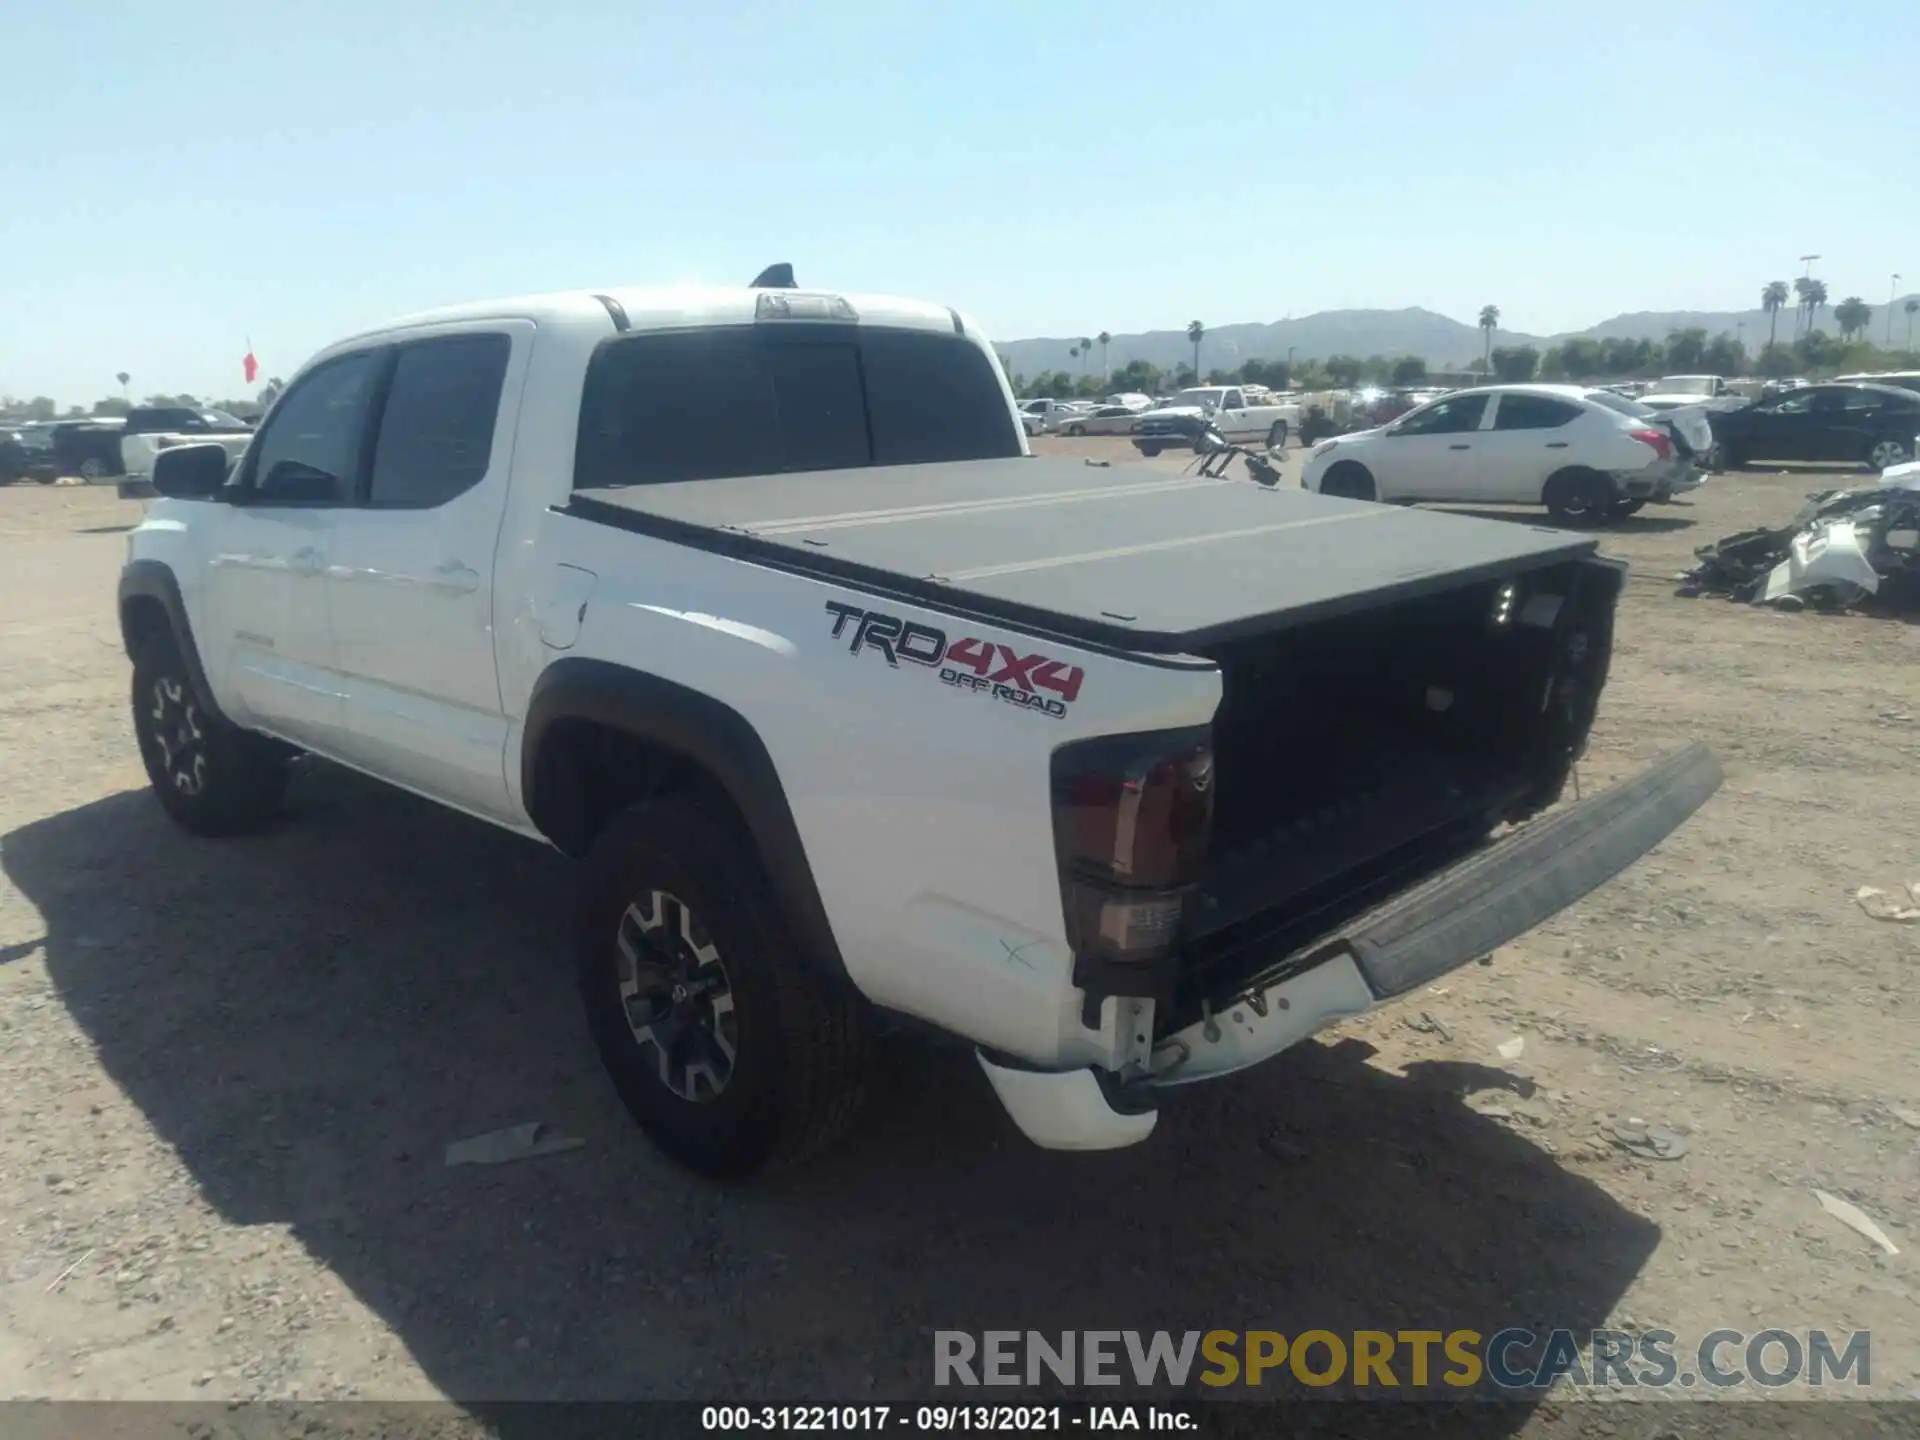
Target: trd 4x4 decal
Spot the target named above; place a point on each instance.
(987, 667)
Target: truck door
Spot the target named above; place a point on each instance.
(410, 581)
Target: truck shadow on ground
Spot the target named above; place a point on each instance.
(308, 1017)
(1645, 523)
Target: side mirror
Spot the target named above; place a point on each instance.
(190, 472)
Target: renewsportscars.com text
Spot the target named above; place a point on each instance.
(1512, 1359)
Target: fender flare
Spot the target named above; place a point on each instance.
(708, 732)
(154, 580)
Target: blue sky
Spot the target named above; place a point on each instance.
(205, 173)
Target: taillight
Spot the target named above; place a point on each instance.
(1131, 816)
(1661, 442)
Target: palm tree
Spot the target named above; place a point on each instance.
(1105, 340)
(1911, 306)
(1772, 297)
(1196, 332)
(123, 377)
(1489, 318)
(1073, 352)
(1852, 315)
(1816, 293)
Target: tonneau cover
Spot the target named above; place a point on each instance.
(1126, 557)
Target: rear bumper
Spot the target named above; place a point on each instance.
(1465, 912)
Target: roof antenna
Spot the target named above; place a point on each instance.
(774, 277)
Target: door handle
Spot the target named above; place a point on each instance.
(306, 561)
(453, 575)
(1459, 447)
(1556, 445)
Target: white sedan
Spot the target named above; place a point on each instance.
(1584, 454)
(1105, 420)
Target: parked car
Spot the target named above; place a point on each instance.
(1132, 399)
(1857, 424)
(13, 456)
(88, 448)
(35, 440)
(1053, 413)
(1105, 420)
(822, 760)
(1226, 408)
(1577, 451)
(1710, 392)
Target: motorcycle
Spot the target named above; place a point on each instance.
(1214, 453)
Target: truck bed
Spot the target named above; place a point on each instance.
(1123, 558)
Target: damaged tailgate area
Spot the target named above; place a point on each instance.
(1844, 548)
(1357, 756)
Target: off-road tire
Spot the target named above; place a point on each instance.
(796, 1076)
(1350, 480)
(1577, 496)
(1277, 435)
(211, 777)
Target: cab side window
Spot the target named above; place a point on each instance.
(309, 451)
(436, 429)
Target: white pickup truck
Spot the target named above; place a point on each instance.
(1231, 411)
(852, 705)
(149, 429)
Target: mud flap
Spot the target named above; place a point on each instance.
(1504, 891)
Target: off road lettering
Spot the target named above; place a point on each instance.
(970, 663)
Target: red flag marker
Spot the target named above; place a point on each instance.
(250, 367)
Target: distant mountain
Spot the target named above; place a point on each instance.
(1438, 339)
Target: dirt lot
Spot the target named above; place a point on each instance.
(229, 1072)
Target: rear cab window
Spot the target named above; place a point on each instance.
(1520, 411)
(436, 427)
(673, 405)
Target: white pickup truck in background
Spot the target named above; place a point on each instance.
(1230, 410)
(852, 706)
(152, 428)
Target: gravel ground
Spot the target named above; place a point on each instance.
(229, 1072)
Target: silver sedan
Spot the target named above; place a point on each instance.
(1107, 420)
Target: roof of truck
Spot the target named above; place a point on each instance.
(1151, 563)
(656, 307)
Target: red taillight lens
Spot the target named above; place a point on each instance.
(1661, 442)
(1131, 816)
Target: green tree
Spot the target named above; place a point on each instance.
(112, 405)
(42, 407)
(1086, 350)
(1687, 349)
(1489, 321)
(1136, 376)
(1196, 332)
(1817, 351)
(1184, 377)
(1772, 296)
(1105, 340)
(1852, 315)
(1409, 370)
(75, 412)
(1775, 361)
(1725, 355)
(1514, 364)
(1816, 295)
(1343, 370)
(1579, 358)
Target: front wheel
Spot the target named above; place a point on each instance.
(1350, 480)
(730, 1046)
(1885, 452)
(1149, 449)
(1277, 436)
(210, 776)
(1076, 430)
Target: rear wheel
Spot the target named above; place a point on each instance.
(1887, 451)
(1277, 436)
(210, 776)
(732, 1048)
(1149, 449)
(1578, 497)
(1351, 481)
(1076, 430)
